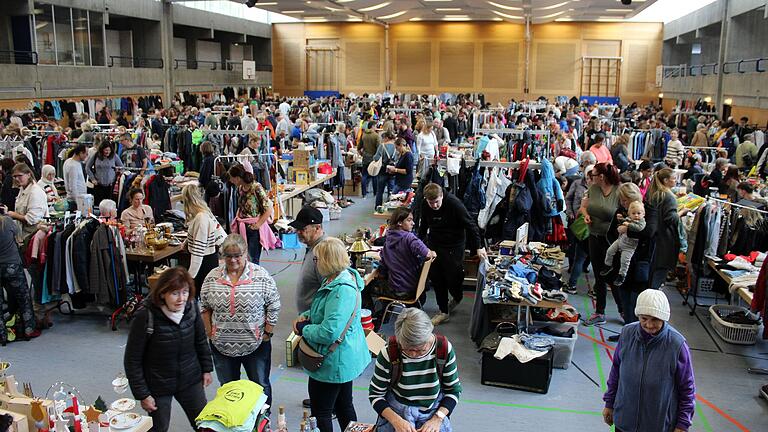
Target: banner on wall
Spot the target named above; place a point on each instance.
(659, 76)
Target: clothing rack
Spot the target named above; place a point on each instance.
(510, 131)
(722, 201)
(493, 164)
(236, 132)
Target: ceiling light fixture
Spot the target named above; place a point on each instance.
(506, 15)
(457, 16)
(564, 19)
(456, 19)
(551, 15)
(554, 6)
(447, 9)
(394, 15)
(501, 6)
(497, 19)
(292, 12)
(619, 10)
(414, 19)
(375, 7)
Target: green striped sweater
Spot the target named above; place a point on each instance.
(419, 384)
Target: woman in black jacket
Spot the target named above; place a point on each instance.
(638, 273)
(661, 198)
(167, 355)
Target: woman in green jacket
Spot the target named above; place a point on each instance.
(330, 387)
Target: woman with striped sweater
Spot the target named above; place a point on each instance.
(415, 384)
(205, 234)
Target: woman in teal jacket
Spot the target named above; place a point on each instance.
(330, 387)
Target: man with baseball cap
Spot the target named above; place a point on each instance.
(309, 226)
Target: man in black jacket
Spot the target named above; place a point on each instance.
(447, 229)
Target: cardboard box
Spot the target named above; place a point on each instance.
(20, 423)
(353, 191)
(303, 158)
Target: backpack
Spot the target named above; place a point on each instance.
(393, 350)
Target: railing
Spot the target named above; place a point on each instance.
(233, 65)
(135, 62)
(263, 68)
(18, 57)
(755, 65)
(195, 64)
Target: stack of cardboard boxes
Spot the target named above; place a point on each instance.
(304, 168)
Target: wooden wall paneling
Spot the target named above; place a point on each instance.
(363, 65)
(636, 68)
(555, 67)
(412, 64)
(756, 115)
(601, 48)
(292, 53)
(456, 64)
(501, 65)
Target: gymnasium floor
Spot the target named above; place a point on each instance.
(84, 352)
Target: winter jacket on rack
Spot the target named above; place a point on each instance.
(172, 358)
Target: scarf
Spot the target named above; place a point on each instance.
(173, 316)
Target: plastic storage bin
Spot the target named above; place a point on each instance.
(563, 349)
(741, 334)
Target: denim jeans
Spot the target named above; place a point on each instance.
(658, 277)
(384, 181)
(256, 365)
(415, 415)
(580, 255)
(191, 399)
(254, 244)
(327, 399)
(629, 301)
(368, 179)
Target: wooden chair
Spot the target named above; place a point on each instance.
(420, 288)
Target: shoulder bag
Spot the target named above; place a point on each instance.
(312, 360)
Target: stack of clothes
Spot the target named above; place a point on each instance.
(529, 277)
(239, 406)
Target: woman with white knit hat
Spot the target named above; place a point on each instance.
(651, 387)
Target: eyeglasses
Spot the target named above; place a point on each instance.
(233, 256)
(314, 259)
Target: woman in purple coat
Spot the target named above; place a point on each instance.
(398, 274)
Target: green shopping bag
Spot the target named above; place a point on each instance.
(579, 228)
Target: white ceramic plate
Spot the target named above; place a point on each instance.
(124, 421)
(124, 404)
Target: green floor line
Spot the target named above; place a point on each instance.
(478, 402)
(596, 350)
(704, 421)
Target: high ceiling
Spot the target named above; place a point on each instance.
(397, 11)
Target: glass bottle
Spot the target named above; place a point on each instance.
(282, 426)
(313, 425)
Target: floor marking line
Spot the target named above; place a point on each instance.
(704, 421)
(596, 351)
(722, 413)
(585, 374)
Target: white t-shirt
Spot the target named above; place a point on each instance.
(426, 144)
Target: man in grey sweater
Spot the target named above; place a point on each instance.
(74, 177)
(309, 226)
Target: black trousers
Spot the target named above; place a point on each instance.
(327, 399)
(209, 263)
(447, 275)
(192, 401)
(19, 300)
(598, 245)
(100, 193)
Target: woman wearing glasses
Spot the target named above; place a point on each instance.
(31, 203)
(240, 304)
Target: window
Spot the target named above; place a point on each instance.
(96, 23)
(80, 29)
(64, 44)
(44, 35)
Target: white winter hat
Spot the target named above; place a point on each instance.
(654, 303)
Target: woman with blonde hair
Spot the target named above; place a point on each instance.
(332, 328)
(661, 198)
(205, 235)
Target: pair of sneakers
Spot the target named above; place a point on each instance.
(441, 317)
(619, 281)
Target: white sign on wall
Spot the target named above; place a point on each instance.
(659, 76)
(249, 70)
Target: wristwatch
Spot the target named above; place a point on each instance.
(440, 415)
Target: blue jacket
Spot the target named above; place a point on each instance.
(331, 308)
(549, 188)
